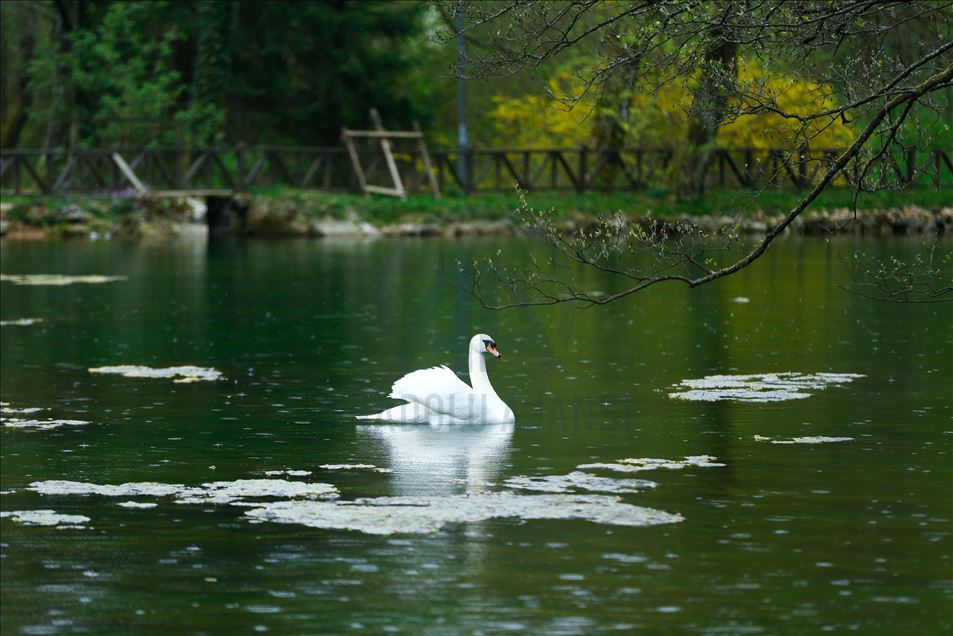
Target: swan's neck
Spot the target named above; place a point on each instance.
(478, 377)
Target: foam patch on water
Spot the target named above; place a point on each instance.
(216, 492)
(44, 518)
(57, 279)
(761, 387)
(817, 439)
(131, 489)
(420, 515)
(20, 322)
(290, 473)
(625, 558)
(578, 480)
(9, 410)
(370, 467)
(182, 374)
(39, 425)
(639, 464)
(143, 505)
(31, 423)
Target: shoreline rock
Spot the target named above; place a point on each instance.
(287, 219)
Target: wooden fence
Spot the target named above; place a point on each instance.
(239, 168)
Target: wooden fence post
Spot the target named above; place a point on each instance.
(583, 170)
(468, 176)
(428, 166)
(440, 159)
(721, 167)
(355, 161)
(936, 165)
(160, 170)
(240, 166)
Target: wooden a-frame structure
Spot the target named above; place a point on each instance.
(349, 136)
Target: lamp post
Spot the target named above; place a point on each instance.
(463, 142)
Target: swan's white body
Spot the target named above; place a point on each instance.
(436, 395)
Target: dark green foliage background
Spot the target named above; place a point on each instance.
(92, 73)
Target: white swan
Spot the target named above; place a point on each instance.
(438, 396)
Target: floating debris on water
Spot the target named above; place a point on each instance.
(419, 515)
(625, 558)
(472, 483)
(137, 504)
(20, 322)
(216, 492)
(638, 464)
(131, 489)
(30, 423)
(762, 387)
(229, 491)
(740, 299)
(818, 439)
(316, 504)
(8, 410)
(578, 480)
(182, 374)
(290, 473)
(370, 467)
(56, 279)
(39, 425)
(44, 518)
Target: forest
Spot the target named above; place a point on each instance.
(95, 73)
(91, 73)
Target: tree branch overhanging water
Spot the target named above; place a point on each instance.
(608, 239)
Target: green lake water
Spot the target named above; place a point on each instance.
(784, 538)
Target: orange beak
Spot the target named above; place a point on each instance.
(493, 351)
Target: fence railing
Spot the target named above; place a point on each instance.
(580, 169)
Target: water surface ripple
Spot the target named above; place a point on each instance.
(539, 527)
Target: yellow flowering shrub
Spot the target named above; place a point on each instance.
(534, 121)
(659, 118)
(792, 95)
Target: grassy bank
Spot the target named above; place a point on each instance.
(379, 209)
(290, 211)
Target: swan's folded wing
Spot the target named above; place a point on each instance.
(439, 389)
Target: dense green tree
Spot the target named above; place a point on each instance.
(324, 63)
(18, 45)
(102, 72)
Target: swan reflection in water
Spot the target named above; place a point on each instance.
(442, 458)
